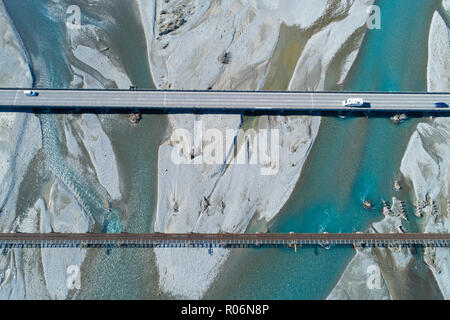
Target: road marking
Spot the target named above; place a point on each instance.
(15, 98)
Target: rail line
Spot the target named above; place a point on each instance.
(11, 240)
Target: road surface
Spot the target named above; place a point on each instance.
(220, 100)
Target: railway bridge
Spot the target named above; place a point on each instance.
(93, 240)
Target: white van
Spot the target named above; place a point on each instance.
(353, 102)
(30, 93)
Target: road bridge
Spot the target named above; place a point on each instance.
(221, 239)
(218, 101)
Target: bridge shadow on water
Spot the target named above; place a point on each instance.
(221, 111)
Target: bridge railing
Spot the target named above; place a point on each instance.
(156, 240)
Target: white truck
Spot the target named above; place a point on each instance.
(353, 102)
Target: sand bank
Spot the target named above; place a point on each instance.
(226, 45)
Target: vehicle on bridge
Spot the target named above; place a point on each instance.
(440, 105)
(353, 102)
(30, 93)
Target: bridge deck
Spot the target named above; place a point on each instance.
(220, 100)
(223, 239)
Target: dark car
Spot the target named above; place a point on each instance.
(441, 105)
